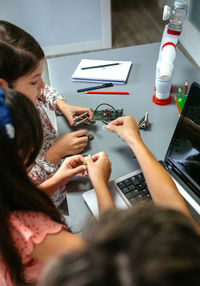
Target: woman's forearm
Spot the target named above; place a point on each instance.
(159, 182)
(104, 198)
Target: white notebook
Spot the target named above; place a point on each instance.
(117, 74)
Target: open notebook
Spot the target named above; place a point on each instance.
(117, 74)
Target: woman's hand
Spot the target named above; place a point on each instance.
(99, 168)
(126, 127)
(69, 111)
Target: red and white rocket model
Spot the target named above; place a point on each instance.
(165, 64)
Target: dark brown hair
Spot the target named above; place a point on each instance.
(20, 53)
(150, 246)
(17, 192)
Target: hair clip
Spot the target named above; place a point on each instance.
(5, 118)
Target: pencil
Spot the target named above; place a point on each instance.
(105, 92)
(186, 87)
(177, 103)
(101, 66)
(180, 93)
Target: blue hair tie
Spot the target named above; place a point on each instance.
(5, 118)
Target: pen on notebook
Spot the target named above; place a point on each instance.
(104, 92)
(95, 87)
(186, 87)
(100, 66)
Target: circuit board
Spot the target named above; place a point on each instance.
(107, 114)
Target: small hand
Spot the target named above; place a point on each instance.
(70, 167)
(69, 111)
(99, 167)
(74, 142)
(126, 127)
(69, 144)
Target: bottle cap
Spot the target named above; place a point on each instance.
(166, 13)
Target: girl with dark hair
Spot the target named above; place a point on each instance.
(21, 67)
(31, 229)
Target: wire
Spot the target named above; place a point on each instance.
(107, 105)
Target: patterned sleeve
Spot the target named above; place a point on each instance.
(49, 96)
(29, 228)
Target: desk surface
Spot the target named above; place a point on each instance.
(140, 85)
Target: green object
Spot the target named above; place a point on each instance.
(180, 100)
(180, 93)
(184, 99)
(86, 156)
(107, 114)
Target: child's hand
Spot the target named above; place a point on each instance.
(126, 127)
(70, 167)
(99, 167)
(69, 144)
(69, 111)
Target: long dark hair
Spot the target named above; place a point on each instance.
(20, 53)
(17, 192)
(149, 246)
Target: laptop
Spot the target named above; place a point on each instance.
(182, 161)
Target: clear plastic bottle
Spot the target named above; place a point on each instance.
(178, 15)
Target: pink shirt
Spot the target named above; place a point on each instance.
(27, 229)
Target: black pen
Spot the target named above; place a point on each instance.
(95, 87)
(101, 66)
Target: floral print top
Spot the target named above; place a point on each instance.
(43, 169)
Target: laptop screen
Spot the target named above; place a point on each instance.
(184, 150)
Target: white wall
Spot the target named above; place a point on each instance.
(62, 26)
(190, 36)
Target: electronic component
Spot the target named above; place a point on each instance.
(107, 114)
(90, 136)
(83, 118)
(144, 122)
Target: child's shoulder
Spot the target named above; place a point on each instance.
(32, 225)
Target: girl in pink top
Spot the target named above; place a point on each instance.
(21, 67)
(31, 229)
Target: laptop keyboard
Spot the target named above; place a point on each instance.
(135, 189)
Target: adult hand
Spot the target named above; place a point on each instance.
(69, 144)
(99, 168)
(126, 127)
(69, 111)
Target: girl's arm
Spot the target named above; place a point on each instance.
(57, 244)
(69, 110)
(70, 167)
